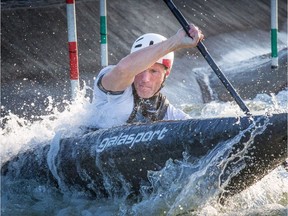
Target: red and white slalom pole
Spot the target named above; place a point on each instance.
(73, 47)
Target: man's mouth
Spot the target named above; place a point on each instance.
(144, 87)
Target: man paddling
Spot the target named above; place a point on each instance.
(129, 92)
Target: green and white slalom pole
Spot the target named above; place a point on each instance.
(103, 33)
(274, 30)
(73, 47)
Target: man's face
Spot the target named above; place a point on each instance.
(148, 82)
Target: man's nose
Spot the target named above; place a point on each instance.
(146, 76)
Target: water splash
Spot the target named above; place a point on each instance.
(20, 134)
(182, 188)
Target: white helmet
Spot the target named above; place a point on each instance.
(150, 39)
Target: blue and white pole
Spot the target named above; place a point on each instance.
(274, 30)
(103, 33)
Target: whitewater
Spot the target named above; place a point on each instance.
(25, 125)
(267, 197)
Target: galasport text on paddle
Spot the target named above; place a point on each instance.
(179, 16)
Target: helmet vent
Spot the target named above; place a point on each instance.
(138, 45)
(139, 39)
(151, 43)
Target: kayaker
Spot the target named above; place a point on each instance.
(129, 92)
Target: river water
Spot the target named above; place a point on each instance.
(182, 190)
(181, 193)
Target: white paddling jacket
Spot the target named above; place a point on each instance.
(119, 108)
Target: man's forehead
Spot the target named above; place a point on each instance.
(158, 66)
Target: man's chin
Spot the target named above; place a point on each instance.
(145, 95)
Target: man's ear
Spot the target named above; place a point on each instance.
(167, 72)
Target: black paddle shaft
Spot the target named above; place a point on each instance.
(179, 16)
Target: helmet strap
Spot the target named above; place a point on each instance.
(162, 85)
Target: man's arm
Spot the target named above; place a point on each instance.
(124, 72)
